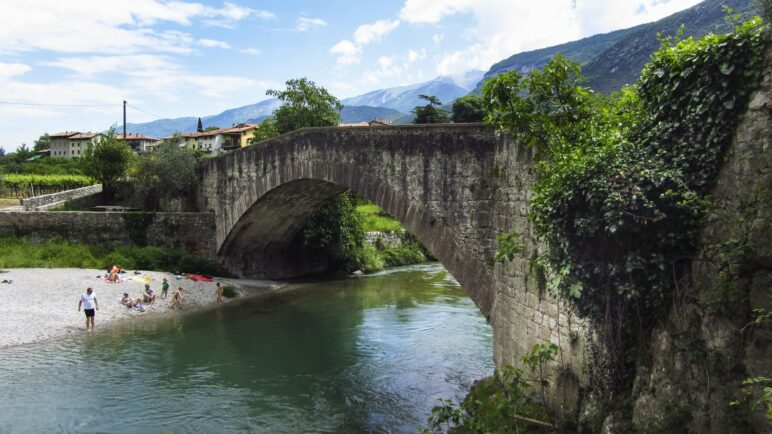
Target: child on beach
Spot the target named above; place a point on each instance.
(126, 300)
(177, 298)
(164, 288)
(218, 293)
(149, 295)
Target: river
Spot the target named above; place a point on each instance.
(367, 354)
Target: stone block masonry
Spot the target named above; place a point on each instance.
(193, 232)
(47, 201)
(454, 187)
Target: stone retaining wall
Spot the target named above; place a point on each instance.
(47, 201)
(390, 239)
(193, 232)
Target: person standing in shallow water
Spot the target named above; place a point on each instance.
(177, 299)
(90, 304)
(218, 293)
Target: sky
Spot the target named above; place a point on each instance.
(77, 60)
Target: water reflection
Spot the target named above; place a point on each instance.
(352, 355)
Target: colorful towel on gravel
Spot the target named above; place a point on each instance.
(198, 278)
(141, 279)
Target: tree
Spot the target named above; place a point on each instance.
(431, 113)
(2, 151)
(168, 172)
(106, 159)
(305, 105)
(265, 131)
(22, 154)
(468, 109)
(200, 127)
(336, 231)
(44, 142)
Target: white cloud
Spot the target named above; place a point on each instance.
(309, 23)
(252, 51)
(8, 70)
(213, 43)
(597, 16)
(367, 33)
(437, 38)
(107, 27)
(131, 64)
(388, 67)
(502, 28)
(431, 11)
(347, 52)
(399, 67)
(413, 55)
(350, 52)
(160, 76)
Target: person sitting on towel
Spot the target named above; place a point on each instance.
(126, 300)
(149, 295)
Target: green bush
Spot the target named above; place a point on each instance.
(336, 231)
(369, 259)
(409, 252)
(228, 291)
(19, 253)
(44, 166)
(507, 402)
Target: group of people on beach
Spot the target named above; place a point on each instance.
(90, 304)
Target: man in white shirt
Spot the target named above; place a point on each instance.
(89, 303)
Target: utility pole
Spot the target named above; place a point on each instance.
(124, 122)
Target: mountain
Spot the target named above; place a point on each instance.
(392, 104)
(363, 113)
(252, 113)
(404, 98)
(622, 63)
(614, 59)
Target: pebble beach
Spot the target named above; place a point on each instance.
(41, 304)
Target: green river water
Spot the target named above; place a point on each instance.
(367, 354)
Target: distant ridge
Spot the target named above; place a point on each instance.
(614, 59)
(405, 98)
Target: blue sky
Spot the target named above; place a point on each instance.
(175, 58)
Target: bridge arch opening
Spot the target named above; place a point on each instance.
(263, 241)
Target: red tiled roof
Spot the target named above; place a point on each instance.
(64, 134)
(131, 136)
(84, 136)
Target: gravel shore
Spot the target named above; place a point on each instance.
(42, 303)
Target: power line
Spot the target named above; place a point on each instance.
(145, 111)
(55, 105)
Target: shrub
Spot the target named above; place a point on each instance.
(19, 253)
(369, 260)
(228, 291)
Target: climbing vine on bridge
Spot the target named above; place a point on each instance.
(623, 181)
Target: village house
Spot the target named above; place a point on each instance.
(222, 139)
(71, 144)
(139, 143)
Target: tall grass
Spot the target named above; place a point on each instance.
(20, 253)
(375, 219)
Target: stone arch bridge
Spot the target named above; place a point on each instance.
(454, 187)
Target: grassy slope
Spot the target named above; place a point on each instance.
(378, 256)
(375, 219)
(19, 253)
